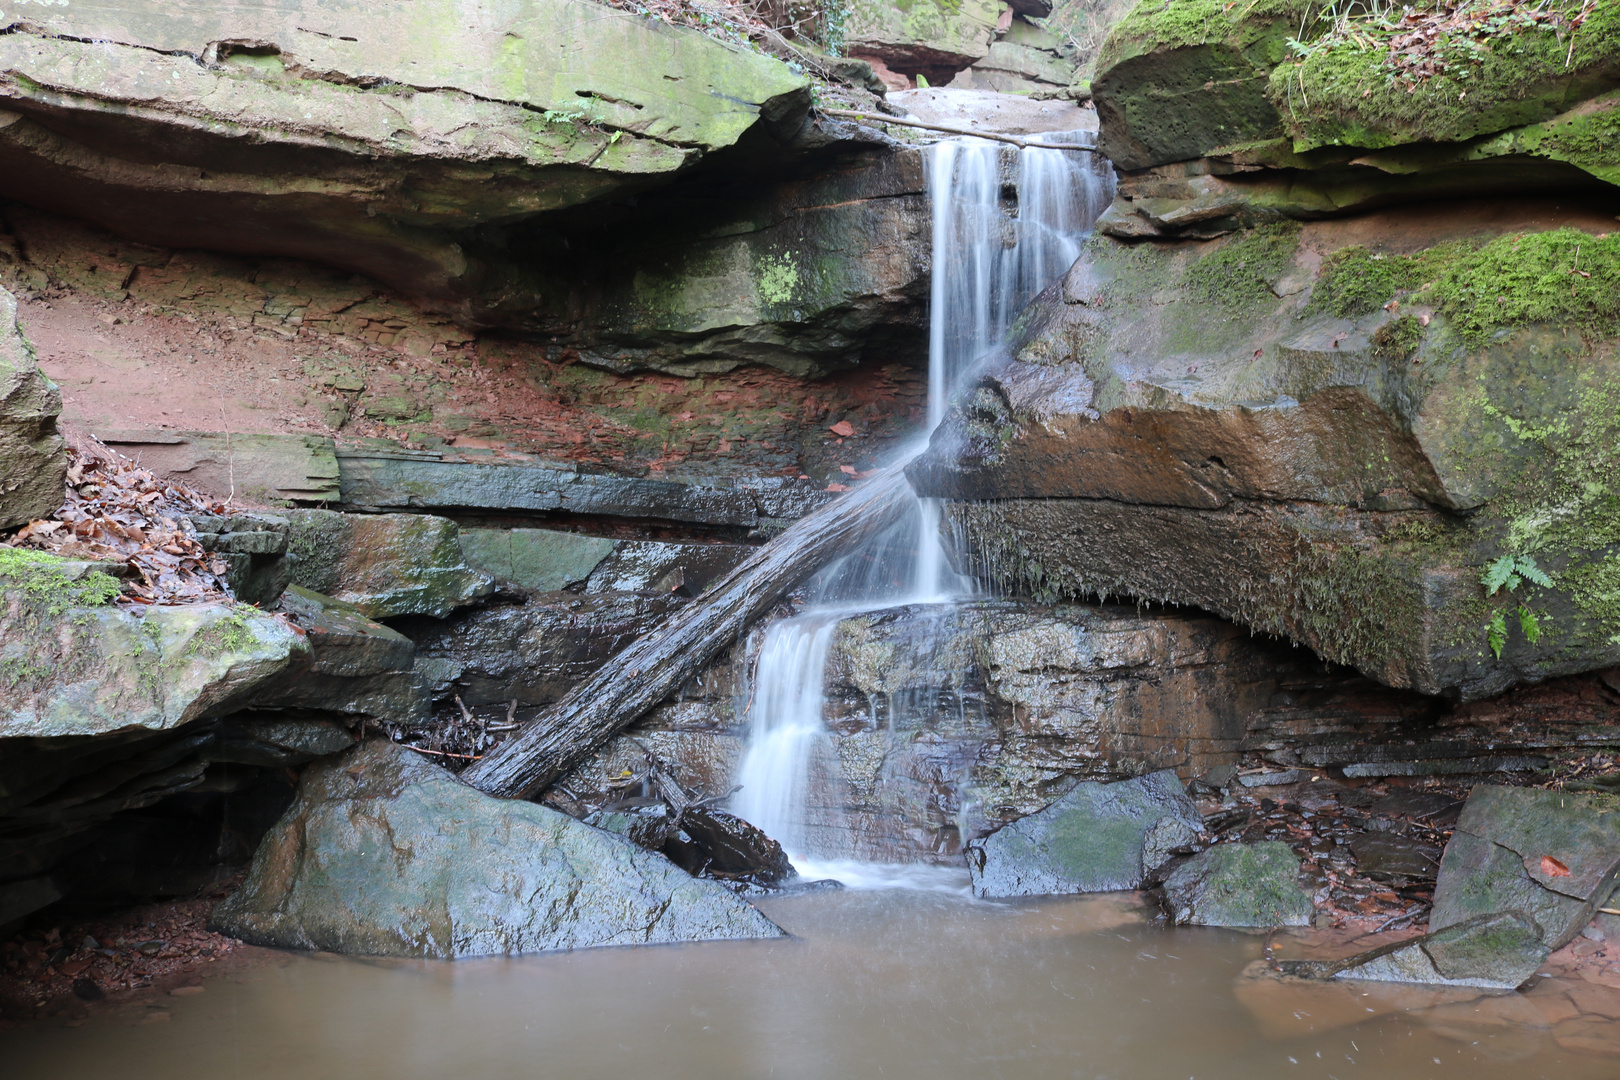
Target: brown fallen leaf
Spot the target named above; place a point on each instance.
(1553, 868)
(843, 429)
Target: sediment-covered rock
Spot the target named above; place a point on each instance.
(1239, 885)
(932, 38)
(386, 854)
(1097, 838)
(33, 461)
(384, 564)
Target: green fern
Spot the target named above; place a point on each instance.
(1509, 572)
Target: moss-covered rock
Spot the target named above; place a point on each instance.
(1255, 885)
(1097, 838)
(33, 461)
(1399, 452)
(929, 37)
(1176, 80)
(1432, 99)
(73, 664)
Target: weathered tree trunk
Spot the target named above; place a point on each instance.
(660, 663)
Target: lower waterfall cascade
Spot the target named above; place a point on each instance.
(988, 264)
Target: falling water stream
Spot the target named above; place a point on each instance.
(989, 261)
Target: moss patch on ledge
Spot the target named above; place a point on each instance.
(1342, 90)
(54, 584)
(1257, 28)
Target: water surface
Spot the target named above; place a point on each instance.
(902, 984)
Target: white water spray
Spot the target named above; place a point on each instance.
(987, 265)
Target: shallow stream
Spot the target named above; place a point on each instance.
(907, 984)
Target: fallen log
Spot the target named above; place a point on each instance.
(658, 664)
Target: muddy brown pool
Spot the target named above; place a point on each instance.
(900, 984)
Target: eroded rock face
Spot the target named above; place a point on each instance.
(1323, 431)
(379, 131)
(71, 665)
(1097, 838)
(384, 564)
(383, 854)
(1239, 885)
(32, 461)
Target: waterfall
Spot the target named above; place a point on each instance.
(987, 265)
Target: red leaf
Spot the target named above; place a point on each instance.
(847, 469)
(843, 429)
(1553, 868)
(837, 487)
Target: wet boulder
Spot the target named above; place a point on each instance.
(1097, 838)
(1239, 885)
(1495, 951)
(1549, 855)
(719, 844)
(354, 666)
(32, 459)
(384, 564)
(386, 854)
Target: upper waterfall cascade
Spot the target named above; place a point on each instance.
(991, 255)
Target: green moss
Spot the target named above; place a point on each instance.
(1596, 590)
(1564, 276)
(1241, 272)
(1398, 339)
(1343, 91)
(41, 579)
(1355, 281)
(1257, 27)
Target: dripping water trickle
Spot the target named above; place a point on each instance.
(988, 264)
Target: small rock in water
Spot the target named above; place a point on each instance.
(1097, 838)
(87, 990)
(721, 844)
(1239, 885)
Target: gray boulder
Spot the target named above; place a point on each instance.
(1522, 875)
(1097, 838)
(384, 564)
(385, 854)
(1239, 885)
(1548, 855)
(1498, 951)
(33, 463)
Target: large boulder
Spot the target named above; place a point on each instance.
(385, 854)
(1097, 838)
(379, 136)
(1254, 885)
(1389, 438)
(72, 664)
(383, 564)
(33, 461)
